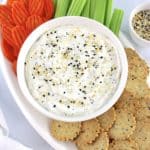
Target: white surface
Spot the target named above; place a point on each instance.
(96, 28)
(7, 143)
(19, 127)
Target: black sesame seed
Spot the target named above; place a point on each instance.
(43, 95)
(54, 45)
(68, 106)
(54, 106)
(82, 103)
(45, 80)
(84, 97)
(84, 92)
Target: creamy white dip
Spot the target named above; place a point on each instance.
(71, 71)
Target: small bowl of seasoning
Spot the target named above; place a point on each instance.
(139, 23)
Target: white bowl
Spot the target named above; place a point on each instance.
(97, 27)
(136, 38)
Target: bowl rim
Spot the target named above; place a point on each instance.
(137, 9)
(35, 35)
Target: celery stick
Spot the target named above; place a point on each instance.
(86, 10)
(62, 8)
(76, 7)
(55, 3)
(92, 8)
(99, 13)
(108, 12)
(116, 21)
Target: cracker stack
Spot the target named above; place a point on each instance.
(126, 126)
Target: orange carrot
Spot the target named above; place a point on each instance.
(14, 66)
(5, 15)
(36, 7)
(19, 12)
(48, 9)
(33, 22)
(8, 51)
(7, 33)
(19, 35)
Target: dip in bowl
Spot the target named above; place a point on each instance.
(72, 69)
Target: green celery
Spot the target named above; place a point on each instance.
(108, 12)
(99, 13)
(92, 8)
(76, 7)
(55, 3)
(62, 8)
(86, 10)
(116, 21)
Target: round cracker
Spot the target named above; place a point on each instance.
(107, 119)
(90, 131)
(65, 131)
(101, 143)
(143, 113)
(144, 102)
(138, 88)
(128, 101)
(124, 125)
(137, 75)
(123, 145)
(138, 69)
(141, 135)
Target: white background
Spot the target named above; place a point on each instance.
(19, 127)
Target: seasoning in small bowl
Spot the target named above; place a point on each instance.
(139, 24)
